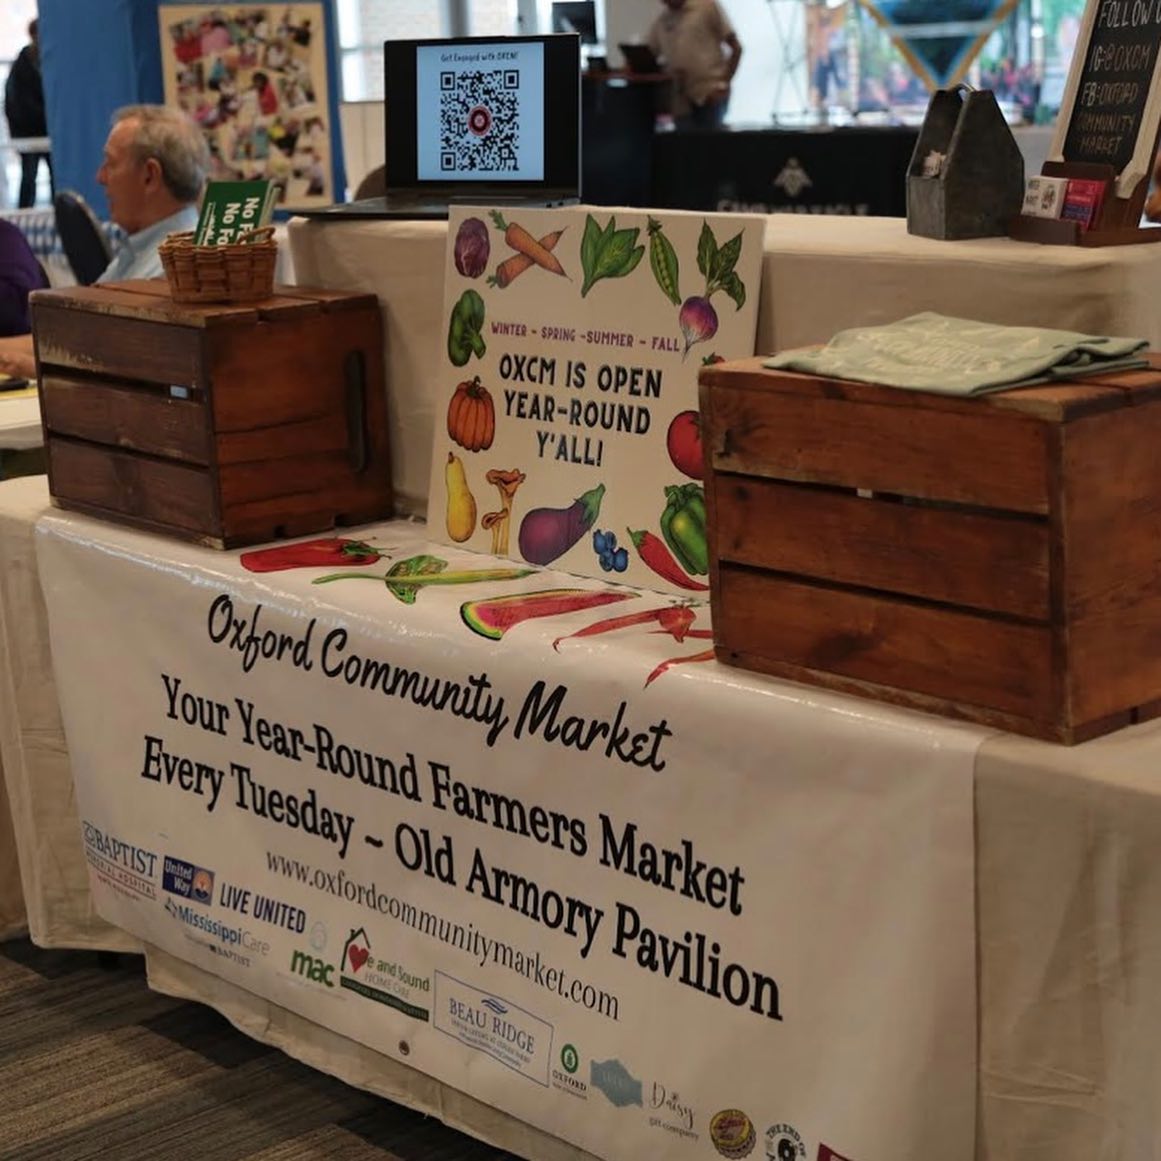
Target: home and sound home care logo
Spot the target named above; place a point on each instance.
(181, 878)
(383, 980)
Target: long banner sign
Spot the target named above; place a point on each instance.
(520, 831)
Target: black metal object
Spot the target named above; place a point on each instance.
(966, 177)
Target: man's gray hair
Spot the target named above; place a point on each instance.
(174, 139)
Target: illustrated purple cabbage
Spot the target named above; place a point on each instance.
(473, 248)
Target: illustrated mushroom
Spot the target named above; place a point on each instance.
(499, 522)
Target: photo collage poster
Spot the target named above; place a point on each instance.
(254, 77)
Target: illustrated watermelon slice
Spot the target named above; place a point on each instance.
(493, 618)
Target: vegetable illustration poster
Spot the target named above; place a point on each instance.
(567, 430)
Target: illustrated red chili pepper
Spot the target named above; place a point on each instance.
(325, 552)
(665, 666)
(653, 551)
(672, 619)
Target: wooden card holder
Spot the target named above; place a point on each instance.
(1107, 128)
(1117, 222)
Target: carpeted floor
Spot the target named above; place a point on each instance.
(93, 1064)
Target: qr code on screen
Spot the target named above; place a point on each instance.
(479, 122)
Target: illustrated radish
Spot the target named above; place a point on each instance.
(698, 321)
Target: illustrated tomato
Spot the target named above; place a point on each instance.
(683, 442)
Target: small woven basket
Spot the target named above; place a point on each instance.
(241, 271)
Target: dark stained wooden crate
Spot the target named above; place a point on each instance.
(996, 559)
(225, 425)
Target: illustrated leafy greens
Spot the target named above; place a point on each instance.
(717, 264)
(610, 253)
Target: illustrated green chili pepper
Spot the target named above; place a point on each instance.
(683, 524)
(663, 260)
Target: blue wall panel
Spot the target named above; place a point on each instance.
(97, 55)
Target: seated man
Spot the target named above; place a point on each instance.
(154, 169)
(20, 274)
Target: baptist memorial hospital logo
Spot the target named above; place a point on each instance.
(494, 1026)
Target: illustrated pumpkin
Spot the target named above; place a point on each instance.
(471, 416)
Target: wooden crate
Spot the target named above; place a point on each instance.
(995, 559)
(225, 425)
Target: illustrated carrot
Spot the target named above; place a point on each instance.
(653, 551)
(672, 619)
(518, 263)
(665, 666)
(524, 243)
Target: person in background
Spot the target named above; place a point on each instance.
(690, 38)
(24, 108)
(20, 274)
(154, 169)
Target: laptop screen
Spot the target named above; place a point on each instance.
(499, 110)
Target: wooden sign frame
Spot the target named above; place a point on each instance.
(1118, 222)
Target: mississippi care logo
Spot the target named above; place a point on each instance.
(384, 981)
(732, 1133)
(616, 1082)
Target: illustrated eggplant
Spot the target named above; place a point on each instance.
(548, 533)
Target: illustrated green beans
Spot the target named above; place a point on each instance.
(663, 260)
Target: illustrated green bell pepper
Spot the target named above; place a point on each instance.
(465, 333)
(683, 524)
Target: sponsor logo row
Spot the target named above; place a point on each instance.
(478, 1019)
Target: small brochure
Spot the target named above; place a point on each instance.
(1082, 201)
(231, 208)
(1044, 196)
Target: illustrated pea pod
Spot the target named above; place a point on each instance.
(683, 524)
(663, 260)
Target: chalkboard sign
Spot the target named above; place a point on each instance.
(1112, 101)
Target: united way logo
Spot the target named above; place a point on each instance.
(181, 878)
(616, 1082)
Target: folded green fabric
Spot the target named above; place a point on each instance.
(958, 356)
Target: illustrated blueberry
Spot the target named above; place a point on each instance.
(599, 544)
(611, 541)
(621, 560)
(607, 561)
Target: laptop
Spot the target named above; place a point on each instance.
(476, 121)
(640, 59)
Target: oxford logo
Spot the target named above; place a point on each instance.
(793, 179)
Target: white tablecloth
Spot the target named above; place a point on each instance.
(820, 275)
